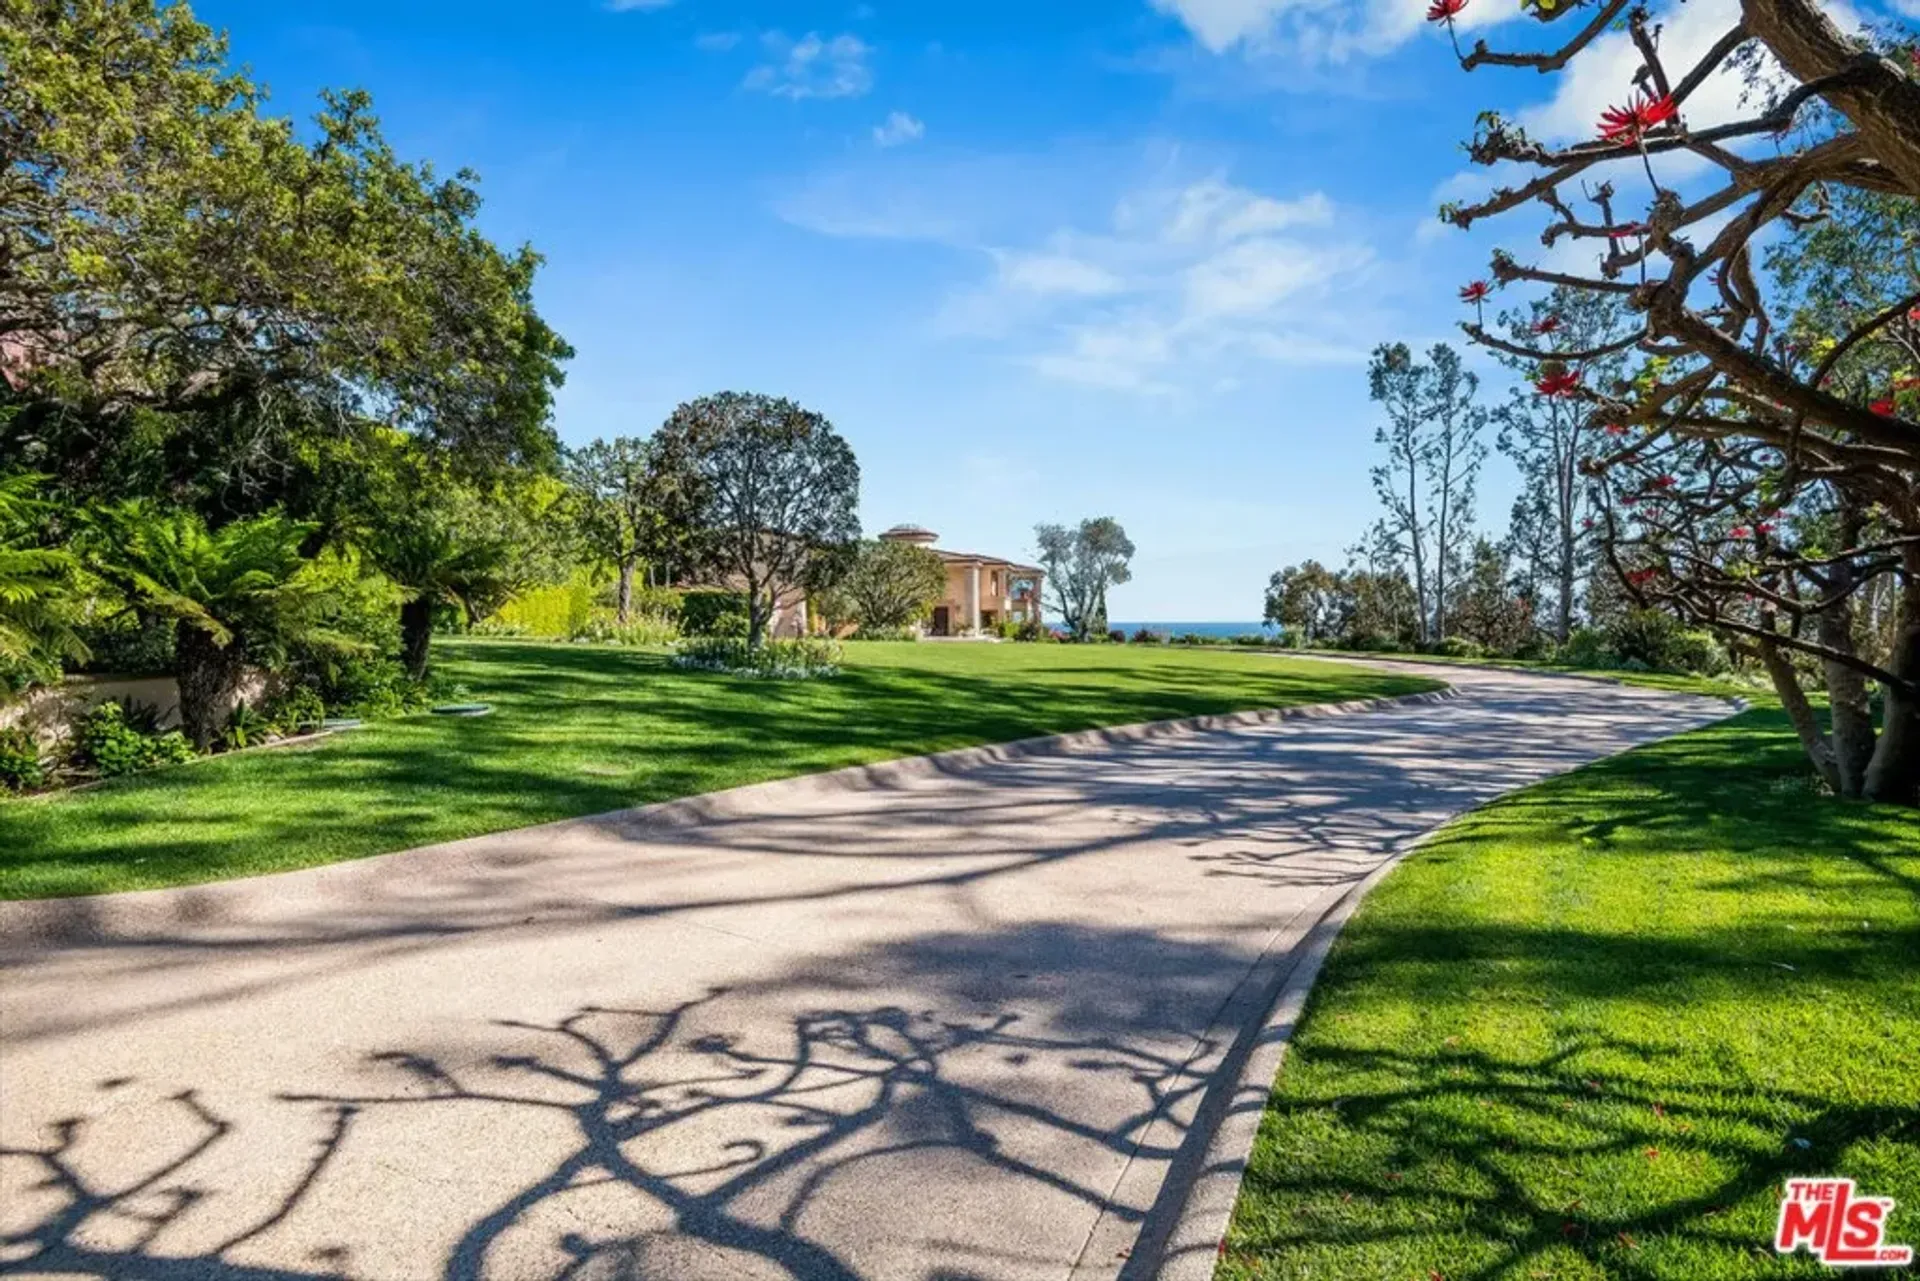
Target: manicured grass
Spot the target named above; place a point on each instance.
(1588, 1032)
(586, 730)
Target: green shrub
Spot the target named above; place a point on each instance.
(551, 613)
(1033, 631)
(1147, 636)
(494, 629)
(714, 613)
(247, 727)
(22, 767)
(374, 688)
(1585, 647)
(895, 634)
(295, 709)
(1460, 647)
(780, 659)
(114, 748)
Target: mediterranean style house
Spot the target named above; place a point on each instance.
(982, 591)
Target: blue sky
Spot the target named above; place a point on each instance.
(1037, 260)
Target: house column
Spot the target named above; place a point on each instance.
(973, 599)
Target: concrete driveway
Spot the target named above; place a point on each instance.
(946, 1027)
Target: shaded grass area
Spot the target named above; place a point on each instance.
(587, 730)
(1589, 1031)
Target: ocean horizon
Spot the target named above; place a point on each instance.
(1197, 629)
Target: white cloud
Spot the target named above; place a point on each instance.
(813, 67)
(897, 129)
(1316, 30)
(1046, 274)
(1190, 284)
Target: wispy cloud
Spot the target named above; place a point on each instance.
(1313, 31)
(898, 129)
(813, 67)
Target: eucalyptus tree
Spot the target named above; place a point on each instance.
(1081, 563)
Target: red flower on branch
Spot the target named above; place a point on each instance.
(1764, 527)
(1882, 407)
(1666, 482)
(1546, 324)
(1616, 429)
(1445, 10)
(1566, 383)
(1640, 577)
(1631, 122)
(1477, 291)
(1626, 229)
(1906, 384)
(1740, 531)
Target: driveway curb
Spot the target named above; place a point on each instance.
(107, 917)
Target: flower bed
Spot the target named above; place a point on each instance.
(777, 659)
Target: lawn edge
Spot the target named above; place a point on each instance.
(1188, 1243)
(98, 918)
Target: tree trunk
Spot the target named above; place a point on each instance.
(1786, 683)
(416, 636)
(1894, 774)
(209, 677)
(623, 595)
(1852, 711)
(758, 612)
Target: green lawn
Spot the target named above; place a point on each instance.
(1588, 1031)
(588, 730)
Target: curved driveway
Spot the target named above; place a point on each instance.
(952, 1026)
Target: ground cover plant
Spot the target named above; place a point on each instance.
(1588, 1032)
(584, 730)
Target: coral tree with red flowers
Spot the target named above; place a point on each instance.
(1758, 466)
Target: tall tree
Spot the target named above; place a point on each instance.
(1550, 436)
(1306, 600)
(775, 492)
(1427, 485)
(1400, 387)
(1081, 564)
(194, 295)
(1456, 451)
(617, 485)
(893, 584)
(1765, 481)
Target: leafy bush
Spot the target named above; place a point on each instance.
(1460, 647)
(887, 634)
(1032, 631)
(551, 613)
(1585, 647)
(114, 748)
(295, 709)
(1253, 640)
(714, 613)
(22, 767)
(1697, 653)
(373, 688)
(494, 629)
(645, 629)
(247, 727)
(1116, 637)
(1147, 636)
(778, 659)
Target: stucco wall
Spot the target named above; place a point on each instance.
(52, 712)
